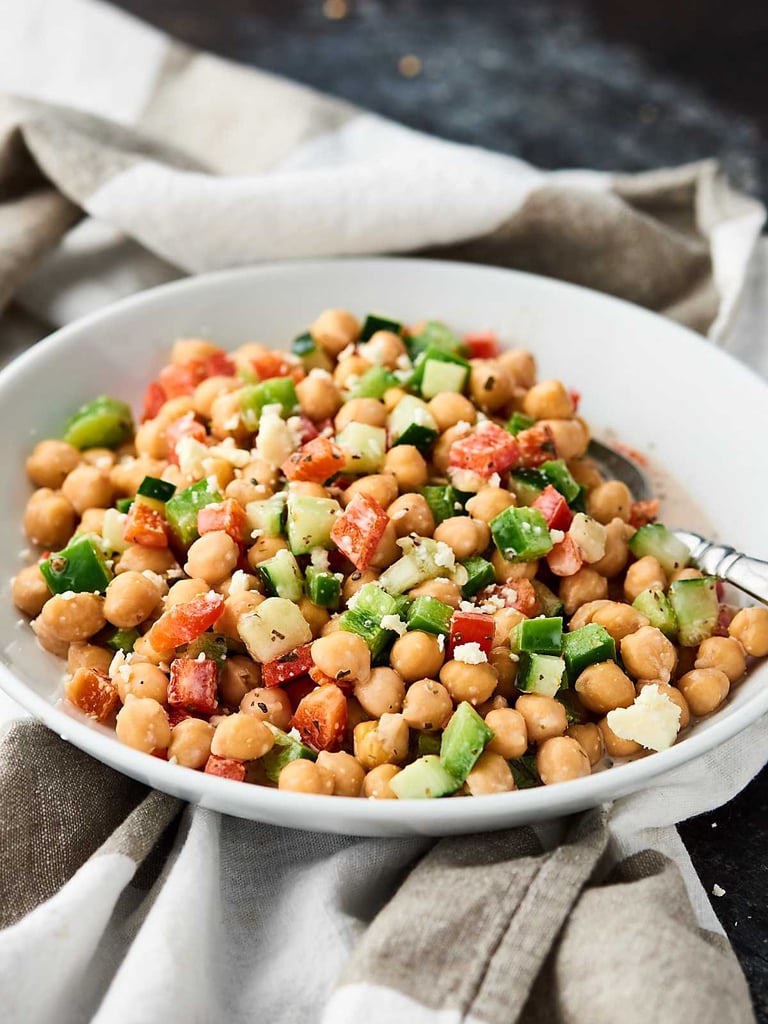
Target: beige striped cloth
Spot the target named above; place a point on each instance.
(126, 160)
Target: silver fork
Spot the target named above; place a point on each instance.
(742, 571)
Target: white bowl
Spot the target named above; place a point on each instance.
(662, 388)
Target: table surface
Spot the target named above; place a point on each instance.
(559, 83)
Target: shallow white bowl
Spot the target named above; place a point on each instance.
(662, 388)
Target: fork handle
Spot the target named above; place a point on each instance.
(746, 573)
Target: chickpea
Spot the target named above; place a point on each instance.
(590, 739)
(142, 679)
(142, 724)
(235, 606)
(675, 696)
(312, 490)
(138, 559)
(648, 654)
(151, 439)
(644, 574)
(473, 683)
(48, 639)
(144, 651)
(92, 521)
(443, 590)
(384, 348)
(190, 744)
(348, 774)
(376, 785)
(260, 473)
(126, 475)
(191, 350)
(616, 549)
(427, 705)
(704, 689)
(102, 458)
(349, 370)
(521, 365)
(356, 581)
(584, 614)
(614, 745)
(243, 491)
(750, 628)
(206, 393)
(244, 355)
(172, 410)
(725, 653)
(585, 585)
(316, 617)
(561, 759)
(334, 330)
(382, 742)
(441, 452)
(51, 462)
(416, 655)
(506, 571)
(448, 409)
(263, 549)
(242, 737)
(548, 400)
(131, 598)
(496, 703)
(392, 397)
(269, 704)
(410, 513)
(361, 410)
(571, 437)
(87, 487)
(226, 418)
(407, 466)
(387, 550)
(49, 519)
(489, 502)
(185, 590)
(212, 557)
(491, 774)
(83, 655)
(686, 574)
(510, 733)
(619, 619)
(222, 471)
(603, 687)
(609, 501)
(30, 591)
(544, 716)
(506, 671)
(504, 621)
(344, 656)
(72, 617)
(490, 387)
(382, 487)
(304, 776)
(382, 692)
(464, 535)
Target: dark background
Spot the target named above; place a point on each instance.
(609, 84)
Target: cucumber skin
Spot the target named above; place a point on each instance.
(464, 739)
(656, 540)
(424, 779)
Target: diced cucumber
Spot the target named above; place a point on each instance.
(697, 609)
(375, 601)
(521, 534)
(323, 588)
(440, 376)
(442, 501)
(286, 749)
(539, 673)
(654, 605)
(518, 422)
(282, 576)
(480, 573)
(181, 510)
(411, 422)
(371, 605)
(427, 743)
(267, 516)
(423, 559)
(436, 355)
(113, 531)
(374, 383)
(155, 489)
(364, 446)
(525, 772)
(527, 485)
(537, 636)
(273, 629)
(558, 474)
(436, 335)
(575, 712)
(587, 646)
(211, 645)
(311, 355)
(374, 323)
(103, 423)
(423, 779)
(655, 539)
(79, 567)
(550, 603)
(274, 391)
(310, 521)
(430, 615)
(464, 739)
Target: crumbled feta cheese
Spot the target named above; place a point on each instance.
(319, 559)
(403, 362)
(467, 606)
(653, 720)
(444, 556)
(589, 536)
(230, 453)
(494, 480)
(240, 581)
(190, 454)
(441, 579)
(117, 663)
(718, 890)
(201, 656)
(345, 353)
(353, 600)
(233, 422)
(351, 382)
(319, 373)
(556, 536)
(175, 574)
(440, 642)
(154, 577)
(470, 654)
(255, 534)
(395, 623)
(275, 440)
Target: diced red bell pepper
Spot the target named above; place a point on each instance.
(225, 768)
(316, 461)
(536, 445)
(185, 622)
(154, 400)
(631, 453)
(575, 397)
(298, 690)
(307, 429)
(643, 512)
(724, 617)
(470, 628)
(358, 530)
(483, 345)
(181, 380)
(321, 718)
(219, 364)
(518, 594)
(554, 508)
(565, 558)
(320, 678)
(228, 515)
(272, 364)
(489, 450)
(145, 526)
(292, 665)
(177, 714)
(193, 684)
(184, 426)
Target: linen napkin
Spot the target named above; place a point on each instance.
(125, 160)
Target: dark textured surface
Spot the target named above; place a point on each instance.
(603, 84)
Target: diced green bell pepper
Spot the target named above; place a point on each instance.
(430, 615)
(537, 636)
(103, 423)
(80, 568)
(521, 534)
(480, 573)
(285, 749)
(518, 422)
(464, 739)
(181, 510)
(525, 772)
(442, 501)
(587, 646)
(373, 383)
(120, 639)
(213, 646)
(374, 323)
(323, 588)
(558, 474)
(275, 391)
(435, 335)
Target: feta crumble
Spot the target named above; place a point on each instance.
(653, 720)
(318, 558)
(494, 480)
(395, 623)
(470, 654)
(444, 556)
(556, 536)
(240, 582)
(718, 890)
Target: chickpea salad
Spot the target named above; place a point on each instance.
(381, 564)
